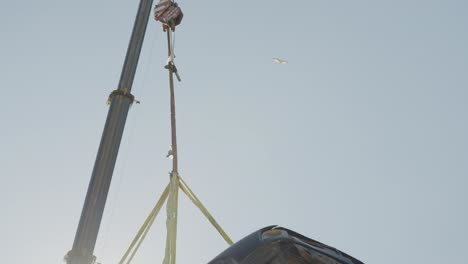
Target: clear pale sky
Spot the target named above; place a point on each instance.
(359, 142)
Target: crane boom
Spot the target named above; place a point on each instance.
(120, 100)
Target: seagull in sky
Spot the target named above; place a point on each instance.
(280, 61)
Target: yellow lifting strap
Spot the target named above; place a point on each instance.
(140, 236)
(171, 195)
(171, 221)
(203, 209)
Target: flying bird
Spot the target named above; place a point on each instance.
(280, 61)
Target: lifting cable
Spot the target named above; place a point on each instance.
(170, 193)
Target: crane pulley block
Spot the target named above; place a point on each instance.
(168, 13)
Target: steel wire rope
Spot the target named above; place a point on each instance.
(170, 244)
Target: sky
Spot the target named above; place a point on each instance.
(358, 142)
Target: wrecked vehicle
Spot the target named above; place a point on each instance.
(278, 245)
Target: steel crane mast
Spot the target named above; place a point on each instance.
(120, 101)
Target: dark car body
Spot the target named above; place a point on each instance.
(278, 245)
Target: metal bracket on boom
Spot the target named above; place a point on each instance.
(171, 67)
(124, 93)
